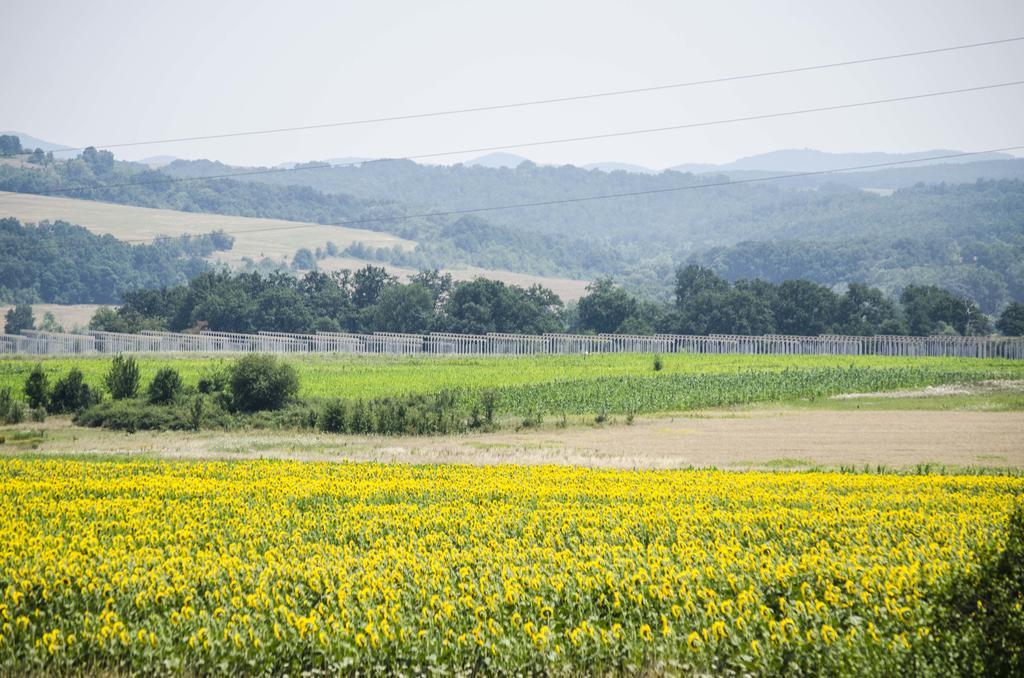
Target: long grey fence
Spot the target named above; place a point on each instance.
(437, 344)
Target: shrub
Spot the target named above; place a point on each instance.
(415, 414)
(38, 414)
(123, 378)
(71, 393)
(11, 411)
(133, 415)
(37, 388)
(165, 387)
(196, 412)
(658, 363)
(333, 417)
(261, 382)
(138, 415)
(215, 381)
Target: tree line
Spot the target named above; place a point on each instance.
(371, 300)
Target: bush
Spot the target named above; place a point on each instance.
(123, 378)
(11, 411)
(71, 393)
(133, 415)
(214, 381)
(334, 417)
(38, 414)
(658, 365)
(165, 387)
(196, 412)
(261, 382)
(138, 415)
(37, 388)
(417, 414)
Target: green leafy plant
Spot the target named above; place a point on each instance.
(261, 382)
(122, 380)
(71, 393)
(165, 387)
(37, 387)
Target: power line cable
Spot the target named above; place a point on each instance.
(553, 100)
(546, 142)
(607, 196)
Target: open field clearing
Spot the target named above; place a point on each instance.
(277, 567)
(758, 438)
(68, 315)
(127, 222)
(567, 289)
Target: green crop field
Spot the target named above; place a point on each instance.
(573, 384)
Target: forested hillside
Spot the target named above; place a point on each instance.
(67, 264)
(966, 235)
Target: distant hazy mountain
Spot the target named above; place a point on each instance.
(31, 143)
(158, 160)
(348, 160)
(811, 160)
(619, 167)
(496, 160)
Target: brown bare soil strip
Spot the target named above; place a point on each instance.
(978, 388)
(763, 438)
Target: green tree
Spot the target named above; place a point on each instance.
(1011, 322)
(50, 324)
(403, 308)
(10, 144)
(37, 387)
(368, 284)
(261, 382)
(71, 393)
(927, 307)
(605, 307)
(804, 308)
(19, 318)
(865, 311)
(693, 280)
(303, 260)
(122, 380)
(165, 387)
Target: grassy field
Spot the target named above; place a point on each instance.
(116, 567)
(68, 315)
(126, 221)
(372, 376)
(531, 390)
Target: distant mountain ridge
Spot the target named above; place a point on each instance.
(31, 143)
(812, 160)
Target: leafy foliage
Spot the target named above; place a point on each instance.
(261, 382)
(37, 387)
(18, 318)
(122, 380)
(71, 394)
(12, 411)
(1011, 322)
(165, 387)
(66, 264)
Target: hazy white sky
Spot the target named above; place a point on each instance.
(102, 72)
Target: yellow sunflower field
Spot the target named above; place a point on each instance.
(214, 567)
